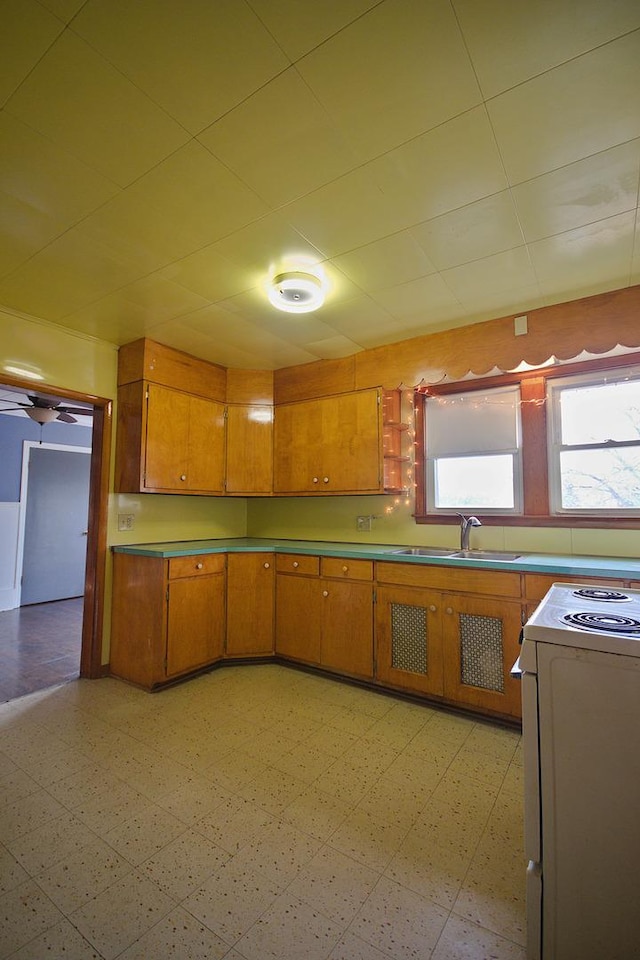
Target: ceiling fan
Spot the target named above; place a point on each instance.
(44, 409)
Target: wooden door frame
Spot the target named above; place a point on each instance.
(96, 565)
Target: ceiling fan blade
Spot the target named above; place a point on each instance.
(80, 411)
(66, 418)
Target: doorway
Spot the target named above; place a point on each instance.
(89, 609)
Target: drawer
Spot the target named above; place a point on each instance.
(492, 583)
(297, 563)
(197, 566)
(347, 569)
(536, 584)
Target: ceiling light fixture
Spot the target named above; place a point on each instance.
(296, 291)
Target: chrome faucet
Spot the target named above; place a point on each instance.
(465, 529)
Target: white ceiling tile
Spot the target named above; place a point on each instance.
(196, 61)
(183, 204)
(280, 141)
(504, 271)
(23, 231)
(594, 257)
(392, 260)
(266, 246)
(474, 231)
(510, 42)
(418, 74)
(425, 300)
(28, 30)
(300, 27)
(359, 319)
(64, 9)
(581, 108)
(333, 348)
(83, 104)
(580, 193)
(442, 170)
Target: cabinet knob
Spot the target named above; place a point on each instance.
(198, 566)
(325, 593)
(295, 563)
(432, 607)
(315, 479)
(266, 565)
(183, 476)
(345, 568)
(325, 479)
(449, 610)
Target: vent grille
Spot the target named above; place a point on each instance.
(481, 652)
(409, 638)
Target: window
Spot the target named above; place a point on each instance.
(558, 446)
(473, 451)
(594, 444)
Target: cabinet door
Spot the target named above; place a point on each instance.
(480, 642)
(206, 447)
(249, 449)
(351, 443)
(408, 639)
(167, 439)
(347, 627)
(195, 623)
(297, 447)
(298, 613)
(250, 604)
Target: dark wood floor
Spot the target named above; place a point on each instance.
(39, 646)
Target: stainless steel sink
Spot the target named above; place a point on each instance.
(483, 555)
(424, 552)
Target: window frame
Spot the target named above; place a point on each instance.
(516, 454)
(536, 507)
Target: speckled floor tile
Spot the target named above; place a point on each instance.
(15, 785)
(316, 813)
(61, 940)
(182, 866)
(303, 762)
(478, 766)
(461, 940)
(12, 874)
(464, 795)
(368, 840)
(234, 824)
(494, 900)
(231, 901)
(411, 769)
(51, 843)
(272, 790)
(122, 914)
(145, 834)
(234, 770)
(493, 741)
(399, 922)
(350, 947)
(291, 929)
(342, 781)
(25, 912)
(432, 870)
(398, 803)
(334, 884)
(279, 852)
(450, 728)
(195, 797)
(113, 808)
(27, 814)
(74, 881)
(332, 740)
(178, 936)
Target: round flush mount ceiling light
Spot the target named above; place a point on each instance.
(296, 291)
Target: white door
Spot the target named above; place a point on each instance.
(55, 534)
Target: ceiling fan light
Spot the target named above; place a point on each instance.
(296, 292)
(41, 414)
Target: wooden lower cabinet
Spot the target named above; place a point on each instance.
(456, 646)
(168, 616)
(250, 604)
(325, 620)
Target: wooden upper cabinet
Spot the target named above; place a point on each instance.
(249, 449)
(329, 445)
(169, 441)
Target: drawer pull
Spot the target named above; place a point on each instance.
(315, 479)
(345, 568)
(198, 566)
(432, 607)
(325, 593)
(325, 479)
(449, 610)
(295, 563)
(266, 565)
(183, 476)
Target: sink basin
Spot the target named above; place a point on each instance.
(423, 552)
(483, 555)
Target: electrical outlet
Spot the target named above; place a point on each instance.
(125, 521)
(363, 524)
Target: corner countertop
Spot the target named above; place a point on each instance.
(585, 566)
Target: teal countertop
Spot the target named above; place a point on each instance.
(618, 567)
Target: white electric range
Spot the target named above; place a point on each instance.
(580, 664)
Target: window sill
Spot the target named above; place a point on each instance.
(509, 520)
